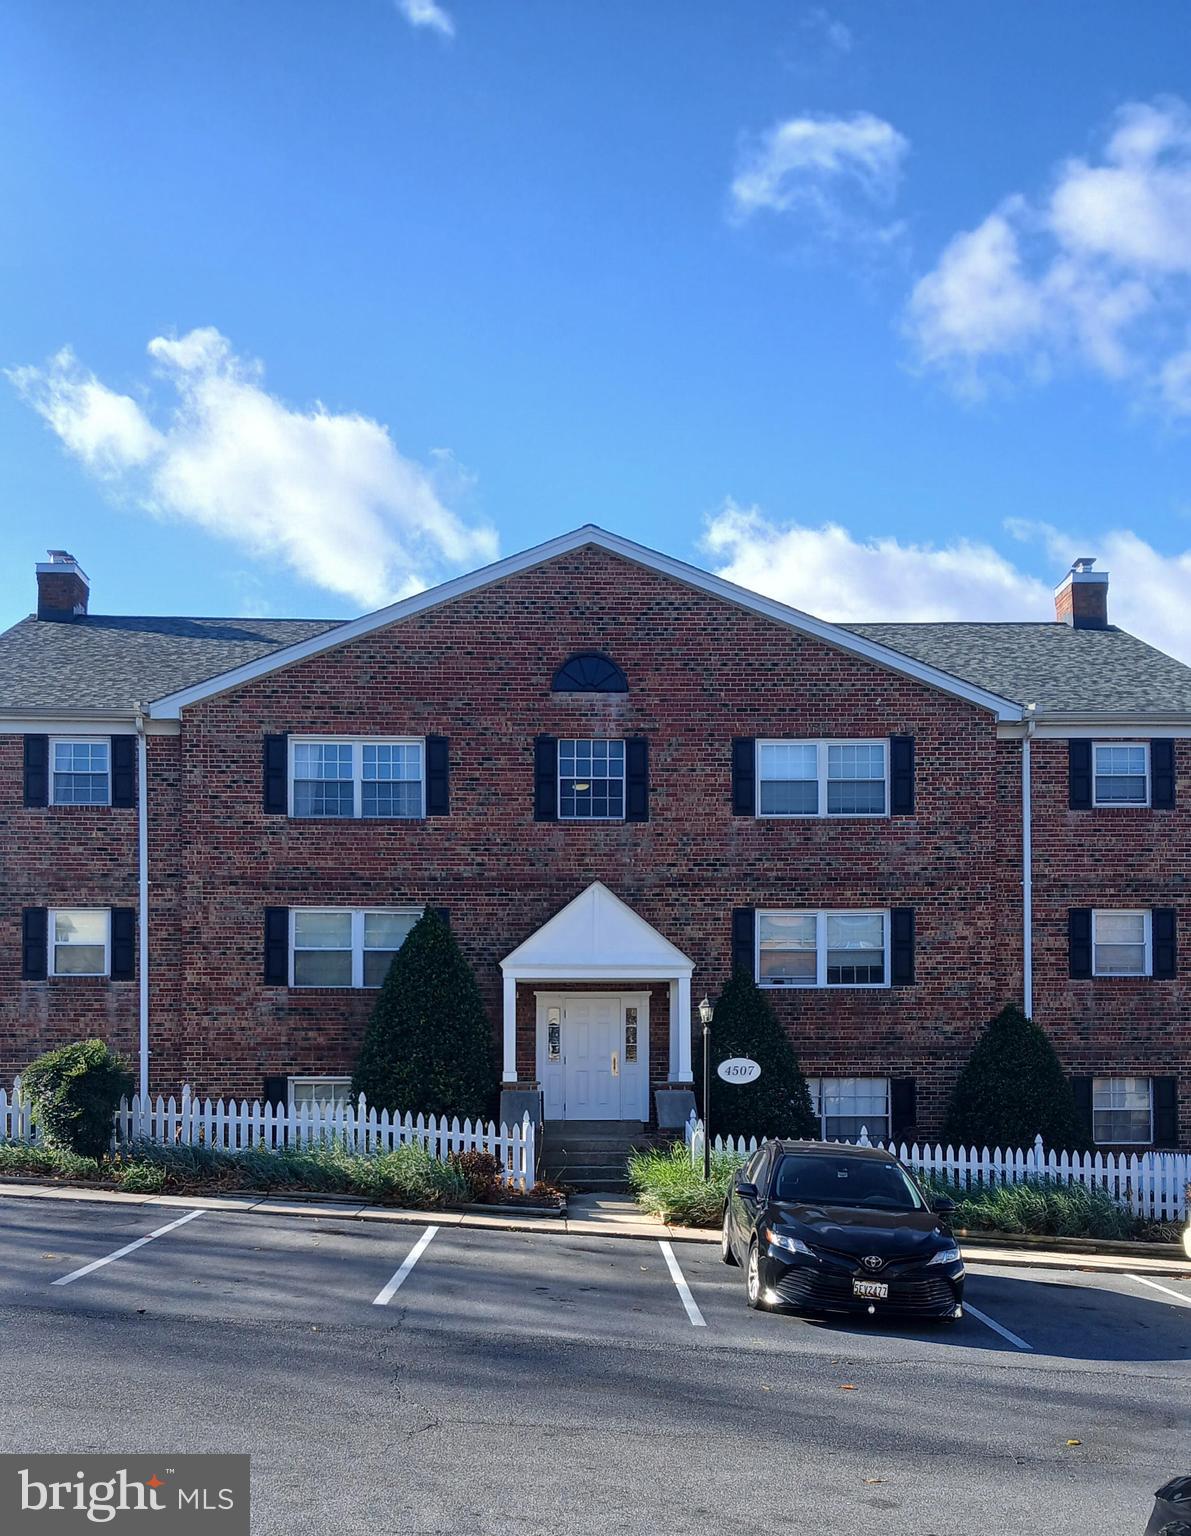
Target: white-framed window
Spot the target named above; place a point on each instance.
(80, 941)
(346, 946)
(1121, 943)
(846, 1105)
(822, 778)
(823, 949)
(1120, 773)
(590, 780)
(325, 1092)
(80, 770)
(370, 777)
(1123, 1111)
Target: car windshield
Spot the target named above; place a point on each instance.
(858, 1181)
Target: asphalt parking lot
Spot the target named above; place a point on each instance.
(441, 1379)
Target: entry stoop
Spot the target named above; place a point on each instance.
(589, 1155)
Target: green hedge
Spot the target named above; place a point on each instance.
(1042, 1208)
(74, 1092)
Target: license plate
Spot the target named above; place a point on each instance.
(871, 1290)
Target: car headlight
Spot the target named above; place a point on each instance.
(950, 1255)
(790, 1244)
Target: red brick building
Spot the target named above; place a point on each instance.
(619, 776)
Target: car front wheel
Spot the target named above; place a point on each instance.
(726, 1239)
(752, 1278)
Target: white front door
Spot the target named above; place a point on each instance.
(591, 1057)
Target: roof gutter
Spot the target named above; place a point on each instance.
(142, 905)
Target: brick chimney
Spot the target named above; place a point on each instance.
(62, 587)
(1081, 598)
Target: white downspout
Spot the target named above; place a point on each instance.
(1027, 871)
(142, 905)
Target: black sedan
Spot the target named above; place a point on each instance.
(831, 1228)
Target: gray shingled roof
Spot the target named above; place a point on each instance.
(110, 663)
(1051, 665)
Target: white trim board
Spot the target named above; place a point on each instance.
(171, 705)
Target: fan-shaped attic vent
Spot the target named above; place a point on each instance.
(589, 672)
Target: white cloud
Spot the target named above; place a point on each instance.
(833, 32)
(829, 572)
(832, 574)
(426, 13)
(1097, 272)
(833, 171)
(328, 493)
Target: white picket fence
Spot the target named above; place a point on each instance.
(1152, 1184)
(237, 1126)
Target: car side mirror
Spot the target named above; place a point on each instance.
(746, 1189)
(943, 1206)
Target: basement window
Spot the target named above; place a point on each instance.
(1122, 1111)
(323, 1092)
(846, 1105)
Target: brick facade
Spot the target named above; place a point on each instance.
(701, 671)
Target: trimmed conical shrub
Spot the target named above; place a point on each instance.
(779, 1102)
(1013, 1089)
(429, 1048)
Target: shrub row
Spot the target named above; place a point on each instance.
(407, 1176)
(667, 1185)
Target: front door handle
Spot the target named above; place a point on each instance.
(615, 1063)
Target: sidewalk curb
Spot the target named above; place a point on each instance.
(478, 1218)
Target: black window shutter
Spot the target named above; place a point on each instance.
(276, 946)
(1079, 775)
(744, 776)
(903, 1106)
(33, 943)
(438, 779)
(37, 770)
(545, 778)
(124, 771)
(901, 923)
(901, 775)
(1166, 1111)
(276, 1092)
(276, 775)
(123, 963)
(744, 948)
(636, 778)
(1164, 938)
(444, 913)
(1079, 942)
(1162, 774)
(1081, 1089)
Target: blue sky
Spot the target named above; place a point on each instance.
(885, 308)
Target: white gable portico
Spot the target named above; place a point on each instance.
(598, 938)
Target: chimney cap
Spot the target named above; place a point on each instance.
(60, 562)
(1080, 563)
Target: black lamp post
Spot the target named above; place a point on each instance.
(706, 1011)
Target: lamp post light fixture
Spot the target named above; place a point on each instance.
(706, 1013)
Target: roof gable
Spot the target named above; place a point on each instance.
(596, 932)
(170, 705)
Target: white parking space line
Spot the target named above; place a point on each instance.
(684, 1290)
(1165, 1289)
(77, 1274)
(415, 1253)
(991, 1322)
